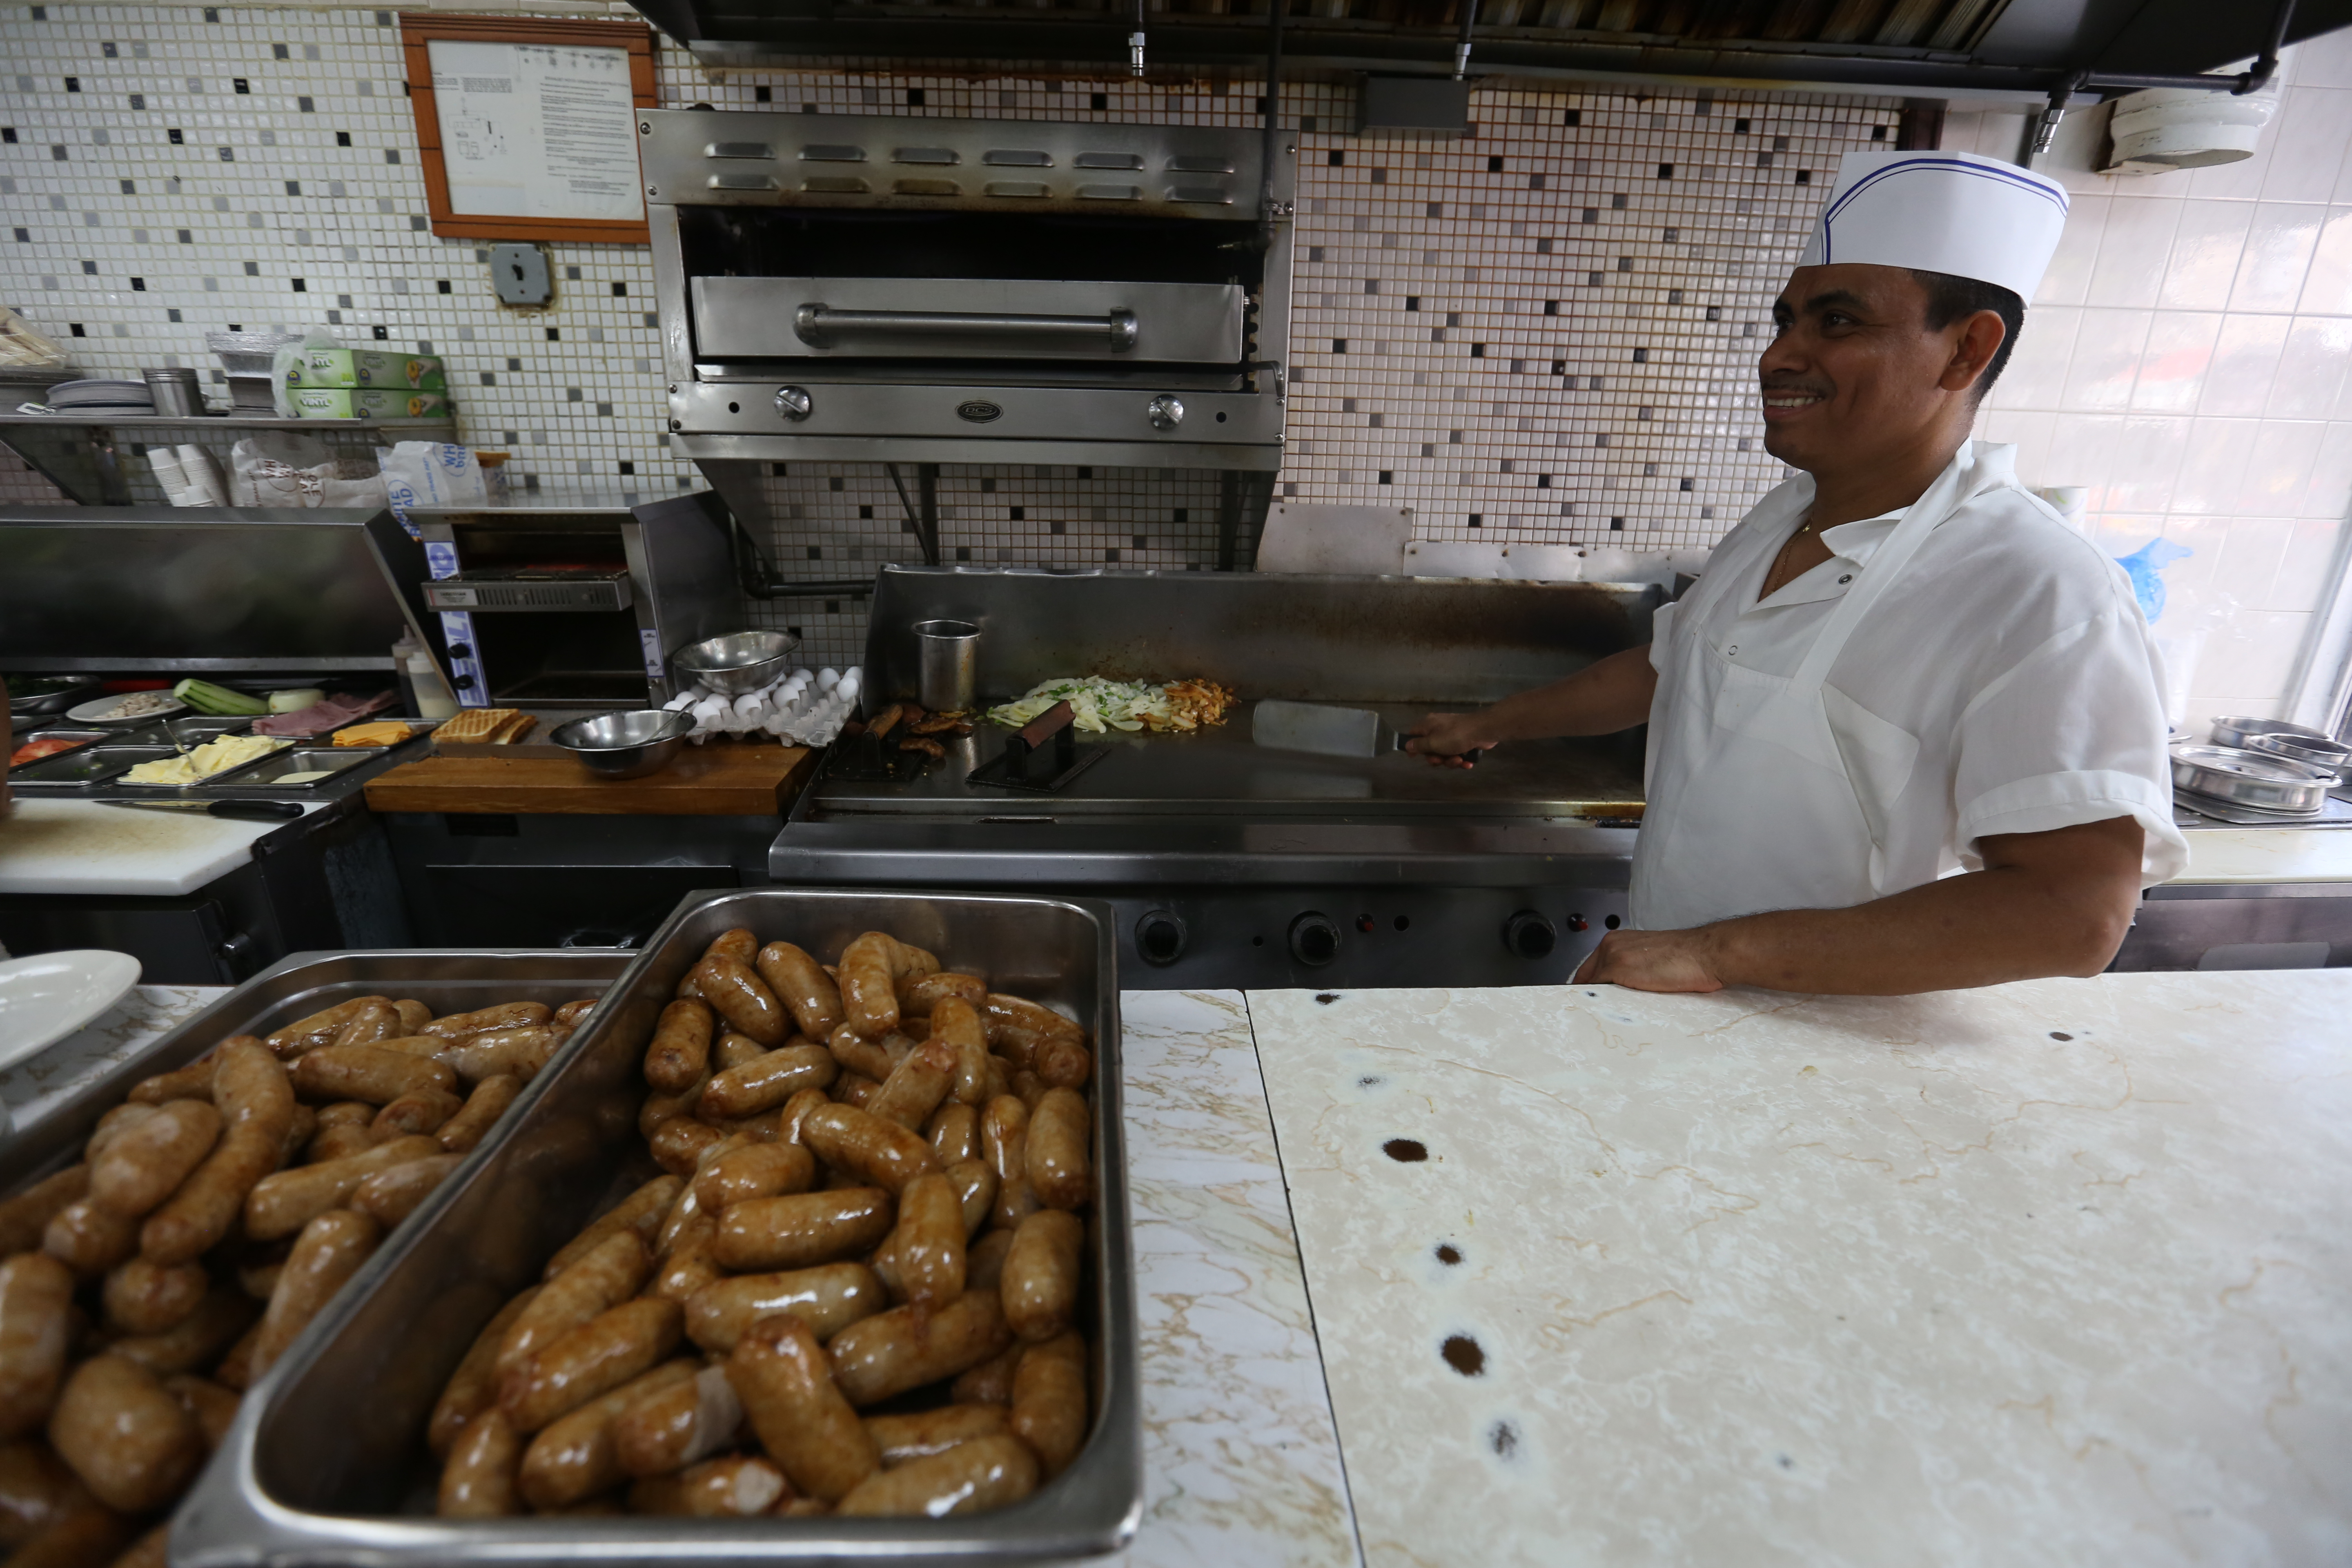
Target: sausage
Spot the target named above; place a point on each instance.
(801, 1229)
(880, 1152)
(194, 1081)
(954, 1132)
(733, 1050)
(1040, 1287)
(591, 1359)
(473, 1386)
(605, 1275)
(365, 1072)
(928, 1245)
(915, 961)
(112, 1125)
(734, 989)
(259, 1280)
(859, 1055)
(504, 1015)
(478, 1480)
(144, 1297)
(801, 983)
(300, 1128)
(146, 1165)
(197, 1339)
(1005, 1139)
(420, 1110)
(36, 1491)
(319, 1027)
(922, 1078)
(376, 1021)
(1055, 1160)
(521, 1050)
(680, 1052)
(340, 1130)
(659, 1108)
(24, 1217)
(36, 1332)
(767, 1081)
(827, 1297)
(679, 1143)
(641, 1212)
(89, 1239)
(898, 1439)
(133, 1445)
(919, 995)
(1049, 1401)
(574, 1014)
(1030, 1088)
(482, 1110)
(83, 1536)
(1017, 1026)
(677, 1425)
(855, 1088)
(869, 975)
(328, 1251)
(575, 1457)
(795, 1112)
(283, 1204)
(740, 944)
(797, 1411)
(908, 1347)
(691, 1261)
(257, 1099)
(1063, 1064)
(989, 1383)
(413, 1015)
(251, 1087)
(971, 1478)
(213, 1406)
(754, 1171)
(975, 1188)
(737, 1486)
(391, 1195)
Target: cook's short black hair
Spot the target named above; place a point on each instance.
(1950, 299)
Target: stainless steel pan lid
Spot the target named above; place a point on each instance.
(2239, 729)
(2255, 779)
(2325, 756)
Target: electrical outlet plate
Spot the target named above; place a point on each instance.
(520, 275)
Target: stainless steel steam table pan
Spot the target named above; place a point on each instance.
(445, 979)
(327, 1464)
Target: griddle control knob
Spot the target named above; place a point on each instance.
(1165, 411)
(1314, 938)
(1530, 934)
(1159, 937)
(793, 403)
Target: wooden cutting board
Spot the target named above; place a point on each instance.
(719, 779)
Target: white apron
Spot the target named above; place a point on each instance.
(1754, 804)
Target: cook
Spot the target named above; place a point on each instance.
(1905, 733)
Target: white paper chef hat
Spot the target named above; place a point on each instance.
(1941, 212)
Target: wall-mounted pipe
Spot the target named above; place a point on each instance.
(2264, 69)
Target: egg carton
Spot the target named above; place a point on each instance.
(802, 708)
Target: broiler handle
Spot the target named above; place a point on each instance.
(817, 324)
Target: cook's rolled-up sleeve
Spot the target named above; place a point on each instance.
(2072, 733)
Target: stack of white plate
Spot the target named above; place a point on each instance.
(102, 397)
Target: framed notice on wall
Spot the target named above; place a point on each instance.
(528, 127)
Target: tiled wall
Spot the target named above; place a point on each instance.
(2186, 361)
(1545, 332)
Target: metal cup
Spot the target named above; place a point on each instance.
(947, 665)
(176, 393)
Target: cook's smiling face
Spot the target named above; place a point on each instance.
(1852, 367)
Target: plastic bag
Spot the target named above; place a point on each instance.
(430, 473)
(282, 468)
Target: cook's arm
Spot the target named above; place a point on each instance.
(2046, 903)
(1604, 696)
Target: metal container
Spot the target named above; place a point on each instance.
(327, 1460)
(2328, 756)
(2253, 780)
(195, 729)
(946, 661)
(2238, 729)
(89, 766)
(72, 691)
(177, 393)
(248, 353)
(737, 663)
(625, 745)
(271, 772)
(79, 738)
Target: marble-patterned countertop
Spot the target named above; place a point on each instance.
(2048, 1273)
(2259, 855)
(34, 1086)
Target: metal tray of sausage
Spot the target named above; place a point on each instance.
(446, 980)
(327, 1462)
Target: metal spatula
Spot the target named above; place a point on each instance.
(1326, 732)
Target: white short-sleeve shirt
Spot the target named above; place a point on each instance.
(2008, 648)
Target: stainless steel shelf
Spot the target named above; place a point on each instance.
(77, 452)
(223, 421)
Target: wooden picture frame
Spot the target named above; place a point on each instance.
(420, 29)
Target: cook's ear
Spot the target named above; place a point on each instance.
(1979, 340)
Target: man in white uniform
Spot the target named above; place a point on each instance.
(1905, 731)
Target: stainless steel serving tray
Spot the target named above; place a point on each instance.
(326, 1463)
(2253, 779)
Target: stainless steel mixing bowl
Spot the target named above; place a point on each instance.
(625, 745)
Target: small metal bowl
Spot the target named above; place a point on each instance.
(625, 745)
(738, 662)
(2238, 730)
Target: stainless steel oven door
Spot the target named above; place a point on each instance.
(967, 318)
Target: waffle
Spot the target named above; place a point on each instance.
(480, 726)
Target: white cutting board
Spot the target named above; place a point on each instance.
(80, 846)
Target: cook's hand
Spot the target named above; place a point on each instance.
(1651, 961)
(1449, 740)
